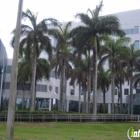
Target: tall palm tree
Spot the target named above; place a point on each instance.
(24, 75)
(79, 74)
(93, 27)
(121, 76)
(35, 37)
(62, 58)
(114, 51)
(104, 81)
(85, 52)
(133, 65)
(24, 72)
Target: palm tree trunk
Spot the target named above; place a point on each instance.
(121, 105)
(89, 87)
(131, 94)
(23, 97)
(95, 81)
(84, 90)
(62, 89)
(33, 79)
(112, 92)
(65, 92)
(79, 99)
(104, 101)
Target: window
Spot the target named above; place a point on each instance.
(8, 69)
(56, 90)
(81, 92)
(42, 88)
(50, 88)
(72, 92)
(127, 31)
(27, 86)
(137, 90)
(126, 91)
(37, 87)
(116, 91)
(20, 86)
(131, 31)
(6, 85)
(52, 74)
(137, 44)
(136, 28)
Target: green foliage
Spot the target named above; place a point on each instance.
(40, 112)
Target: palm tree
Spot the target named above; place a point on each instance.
(85, 52)
(61, 60)
(114, 51)
(24, 73)
(104, 80)
(34, 38)
(79, 75)
(121, 76)
(93, 27)
(132, 65)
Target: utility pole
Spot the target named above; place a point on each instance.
(13, 83)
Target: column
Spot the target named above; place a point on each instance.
(50, 103)
(109, 108)
(67, 105)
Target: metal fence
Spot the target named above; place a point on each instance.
(72, 118)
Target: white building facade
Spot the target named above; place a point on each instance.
(48, 92)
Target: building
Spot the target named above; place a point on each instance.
(3, 62)
(48, 91)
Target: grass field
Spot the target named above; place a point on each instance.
(69, 131)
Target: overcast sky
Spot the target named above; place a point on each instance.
(62, 10)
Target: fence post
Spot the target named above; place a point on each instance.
(55, 117)
(138, 118)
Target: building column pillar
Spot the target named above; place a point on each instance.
(50, 103)
(109, 108)
(67, 105)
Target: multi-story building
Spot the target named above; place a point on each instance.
(47, 94)
(3, 62)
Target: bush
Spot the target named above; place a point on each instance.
(39, 112)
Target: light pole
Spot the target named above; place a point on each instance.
(13, 83)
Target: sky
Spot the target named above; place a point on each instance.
(62, 10)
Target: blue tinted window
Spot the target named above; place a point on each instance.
(126, 91)
(72, 92)
(131, 31)
(136, 30)
(8, 69)
(127, 31)
(56, 90)
(137, 43)
(124, 31)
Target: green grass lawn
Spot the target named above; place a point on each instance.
(67, 131)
